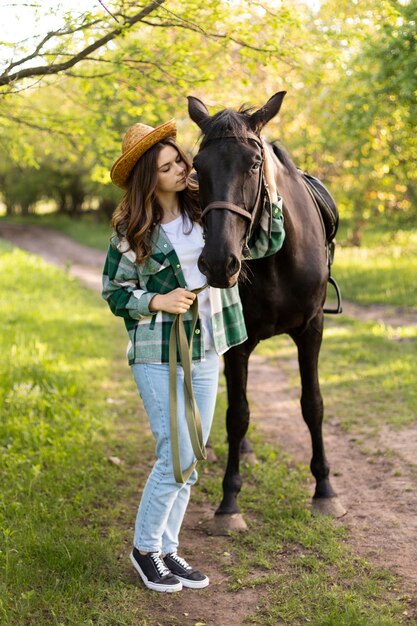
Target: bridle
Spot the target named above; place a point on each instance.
(253, 216)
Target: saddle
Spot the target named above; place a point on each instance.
(325, 203)
(329, 214)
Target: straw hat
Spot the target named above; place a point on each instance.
(138, 139)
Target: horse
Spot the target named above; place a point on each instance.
(282, 293)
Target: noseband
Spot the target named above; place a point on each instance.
(235, 208)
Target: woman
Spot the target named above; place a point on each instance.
(150, 277)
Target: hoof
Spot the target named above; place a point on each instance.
(210, 455)
(225, 524)
(249, 458)
(331, 507)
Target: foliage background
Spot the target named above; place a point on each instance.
(349, 69)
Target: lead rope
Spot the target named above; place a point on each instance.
(178, 343)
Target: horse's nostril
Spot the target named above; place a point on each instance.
(233, 265)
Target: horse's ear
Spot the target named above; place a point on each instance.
(261, 117)
(197, 111)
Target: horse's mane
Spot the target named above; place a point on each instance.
(228, 123)
(284, 158)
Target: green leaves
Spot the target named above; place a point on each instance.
(348, 67)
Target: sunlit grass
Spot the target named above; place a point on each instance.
(89, 231)
(66, 512)
(300, 564)
(59, 536)
(383, 270)
(367, 371)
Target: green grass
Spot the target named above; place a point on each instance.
(60, 509)
(367, 372)
(301, 564)
(89, 230)
(383, 270)
(66, 512)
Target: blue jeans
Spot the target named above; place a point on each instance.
(164, 501)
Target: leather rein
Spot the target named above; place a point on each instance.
(235, 208)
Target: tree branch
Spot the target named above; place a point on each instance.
(187, 24)
(198, 29)
(44, 70)
(48, 36)
(109, 12)
(103, 75)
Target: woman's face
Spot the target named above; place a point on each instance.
(171, 171)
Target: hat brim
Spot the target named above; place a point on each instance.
(122, 168)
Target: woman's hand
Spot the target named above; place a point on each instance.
(177, 301)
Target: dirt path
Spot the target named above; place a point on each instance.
(80, 261)
(378, 489)
(390, 315)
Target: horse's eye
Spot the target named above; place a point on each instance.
(256, 165)
(195, 166)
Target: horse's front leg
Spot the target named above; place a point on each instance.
(308, 344)
(228, 515)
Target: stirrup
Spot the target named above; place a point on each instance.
(338, 308)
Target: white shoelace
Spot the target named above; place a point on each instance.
(159, 564)
(180, 560)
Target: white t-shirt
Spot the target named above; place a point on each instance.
(188, 246)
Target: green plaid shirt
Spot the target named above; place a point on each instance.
(128, 288)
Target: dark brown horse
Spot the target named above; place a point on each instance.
(283, 293)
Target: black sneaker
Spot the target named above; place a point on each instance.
(184, 572)
(153, 572)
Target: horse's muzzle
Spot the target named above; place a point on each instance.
(219, 273)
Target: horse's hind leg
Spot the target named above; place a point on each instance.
(228, 515)
(308, 344)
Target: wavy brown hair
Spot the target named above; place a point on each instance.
(139, 211)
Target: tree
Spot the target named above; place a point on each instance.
(76, 116)
(65, 47)
(347, 68)
(357, 125)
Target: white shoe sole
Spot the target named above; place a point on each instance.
(149, 584)
(193, 584)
